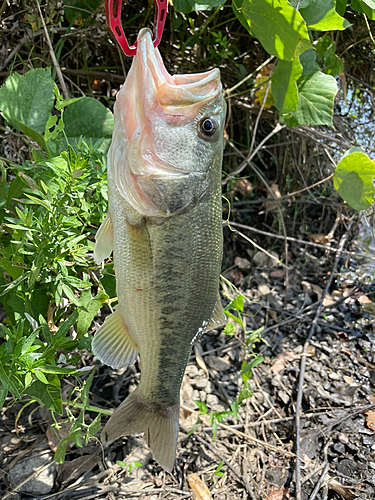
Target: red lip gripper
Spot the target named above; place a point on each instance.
(113, 11)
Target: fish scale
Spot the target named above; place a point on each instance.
(164, 228)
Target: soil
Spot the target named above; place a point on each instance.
(308, 430)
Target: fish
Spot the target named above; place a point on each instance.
(164, 228)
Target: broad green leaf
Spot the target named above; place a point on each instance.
(26, 102)
(48, 395)
(284, 86)
(341, 6)
(316, 93)
(321, 15)
(366, 6)
(353, 179)
(90, 307)
(90, 119)
(186, 6)
(278, 26)
(308, 61)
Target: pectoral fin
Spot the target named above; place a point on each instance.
(218, 317)
(104, 241)
(112, 343)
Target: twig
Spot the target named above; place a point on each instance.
(53, 57)
(296, 240)
(302, 373)
(228, 91)
(242, 479)
(248, 159)
(320, 482)
(260, 248)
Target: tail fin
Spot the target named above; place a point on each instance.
(159, 425)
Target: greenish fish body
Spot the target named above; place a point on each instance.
(164, 228)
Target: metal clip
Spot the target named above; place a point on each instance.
(115, 26)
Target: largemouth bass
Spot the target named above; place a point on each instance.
(164, 228)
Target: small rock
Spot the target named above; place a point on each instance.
(201, 383)
(195, 396)
(202, 396)
(242, 263)
(212, 399)
(264, 290)
(38, 485)
(339, 448)
(218, 364)
(192, 371)
(284, 397)
(334, 376)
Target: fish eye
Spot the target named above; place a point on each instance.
(208, 126)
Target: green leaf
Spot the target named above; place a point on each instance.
(186, 6)
(278, 26)
(229, 329)
(284, 86)
(354, 180)
(3, 394)
(316, 93)
(245, 392)
(40, 376)
(307, 59)
(321, 15)
(236, 304)
(65, 327)
(26, 101)
(90, 119)
(366, 6)
(341, 6)
(9, 382)
(47, 394)
(90, 307)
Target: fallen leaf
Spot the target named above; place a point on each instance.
(348, 380)
(55, 435)
(311, 350)
(363, 299)
(272, 314)
(370, 419)
(318, 238)
(281, 361)
(70, 471)
(273, 205)
(218, 364)
(261, 83)
(242, 263)
(199, 359)
(277, 274)
(198, 487)
(328, 300)
(242, 186)
(280, 494)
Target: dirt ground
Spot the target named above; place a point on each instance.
(337, 401)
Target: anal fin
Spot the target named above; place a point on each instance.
(112, 343)
(104, 241)
(218, 317)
